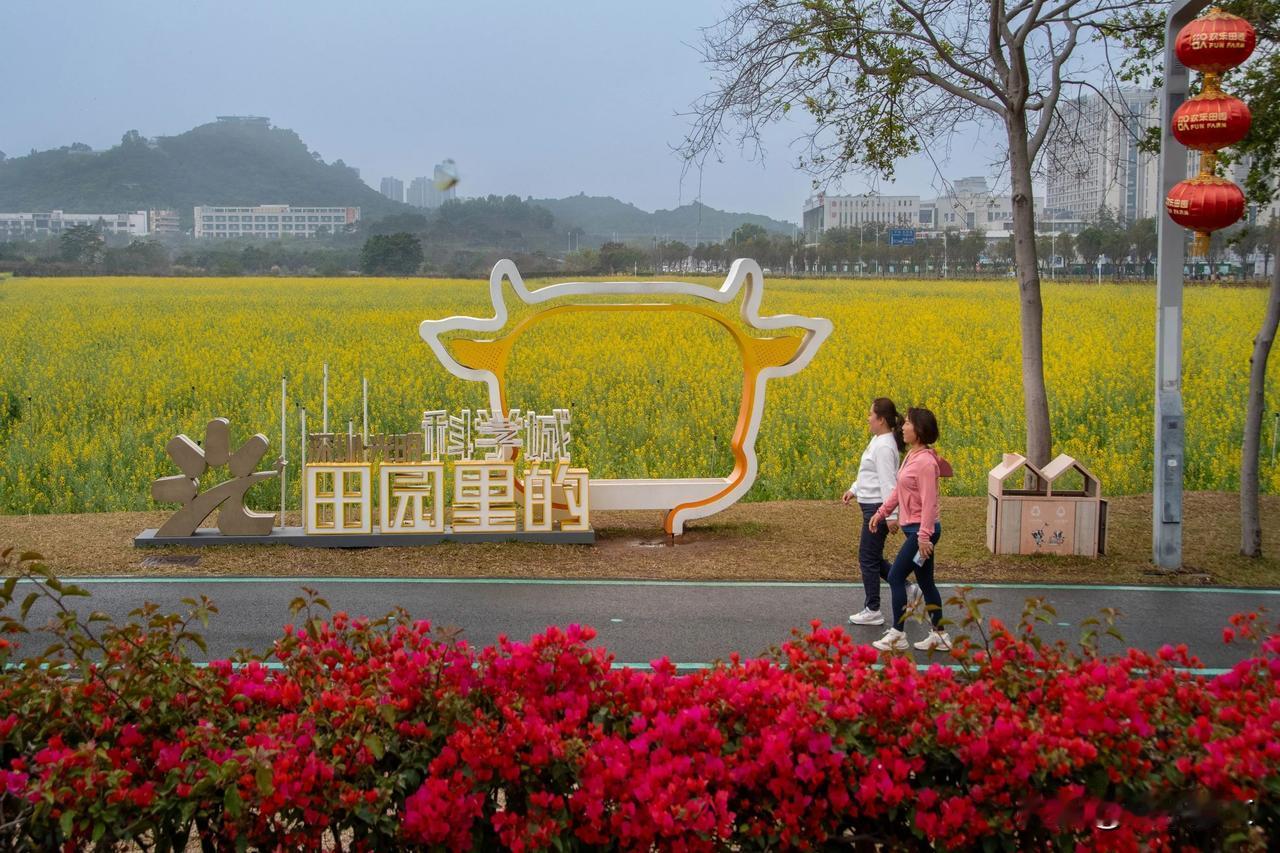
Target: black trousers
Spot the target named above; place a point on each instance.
(871, 556)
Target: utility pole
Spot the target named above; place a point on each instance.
(1053, 247)
(1170, 426)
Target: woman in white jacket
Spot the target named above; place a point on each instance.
(877, 475)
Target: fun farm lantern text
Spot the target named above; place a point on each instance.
(1208, 122)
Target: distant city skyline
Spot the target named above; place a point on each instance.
(549, 103)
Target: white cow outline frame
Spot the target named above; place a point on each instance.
(665, 494)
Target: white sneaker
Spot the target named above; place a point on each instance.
(937, 641)
(867, 617)
(892, 641)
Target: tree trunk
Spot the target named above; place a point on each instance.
(1250, 526)
(1035, 400)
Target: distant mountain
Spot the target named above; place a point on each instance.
(232, 162)
(244, 161)
(606, 217)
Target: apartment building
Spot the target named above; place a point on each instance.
(393, 188)
(425, 192)
(1094, 159)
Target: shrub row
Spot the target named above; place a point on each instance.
(384, 735)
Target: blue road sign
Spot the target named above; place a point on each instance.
(902, 236)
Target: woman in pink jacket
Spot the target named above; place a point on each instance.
(916, 498)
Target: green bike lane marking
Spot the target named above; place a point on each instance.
(852, 584)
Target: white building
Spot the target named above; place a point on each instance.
(824, 212)
(31, 226)
(393, 188)
(971, 206)
(968, 206)
(1093, 158)
(272, 221)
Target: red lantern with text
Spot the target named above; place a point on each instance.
(1205, 204)
(1215, 43)
(1208, 122)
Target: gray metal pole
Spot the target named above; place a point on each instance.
(1166, 491)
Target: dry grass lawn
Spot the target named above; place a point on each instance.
(785, 540)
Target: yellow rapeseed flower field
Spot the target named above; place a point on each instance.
(97, 374)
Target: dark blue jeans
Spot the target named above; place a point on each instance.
(871, 556)
(902, 568)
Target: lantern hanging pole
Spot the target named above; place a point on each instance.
(302, 461)
(1169, 444)
(284, 445)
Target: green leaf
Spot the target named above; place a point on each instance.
(373, 743)
(99, 829)
(263, 777)
(65, 822)
(27, 602)
(9, 584)
(231, 801)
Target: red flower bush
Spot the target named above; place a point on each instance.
(382, 734)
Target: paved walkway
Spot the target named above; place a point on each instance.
(690, 623)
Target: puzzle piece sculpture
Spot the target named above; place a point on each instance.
(233, 518)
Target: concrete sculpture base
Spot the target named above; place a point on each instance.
(296, 537)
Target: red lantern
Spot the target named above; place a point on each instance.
(1211, 121)
(1215, 43)
(1205, 203)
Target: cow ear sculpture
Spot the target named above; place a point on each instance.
(763, 358)
(193, 460)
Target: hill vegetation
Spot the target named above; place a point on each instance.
(609, 219)
(223, 162)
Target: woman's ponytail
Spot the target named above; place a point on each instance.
(884, 408)
(898, 421)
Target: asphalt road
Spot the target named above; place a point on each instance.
(690, 623)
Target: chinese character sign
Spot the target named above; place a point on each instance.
(470, 471)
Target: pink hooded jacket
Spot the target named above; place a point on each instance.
(916, 494)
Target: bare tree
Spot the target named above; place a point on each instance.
(885, 80)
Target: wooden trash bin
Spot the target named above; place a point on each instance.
(1044, 518)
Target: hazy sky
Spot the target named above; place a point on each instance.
(541, 99)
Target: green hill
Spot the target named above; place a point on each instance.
(607, 218)
(237, 162)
